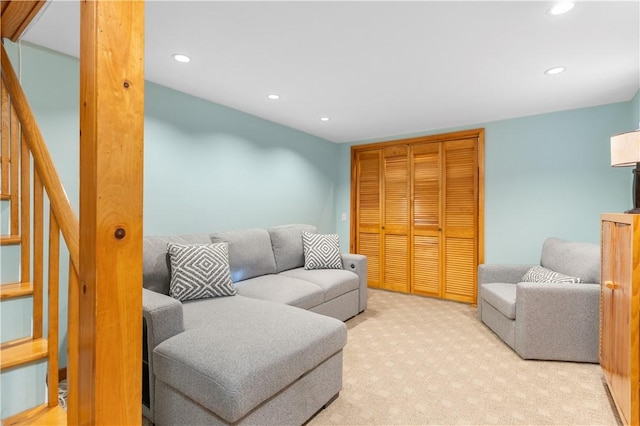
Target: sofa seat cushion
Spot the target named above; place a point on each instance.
(501, 296)
(248, 351)
(282, 289)
(334, 282)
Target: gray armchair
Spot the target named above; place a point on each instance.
(546, 320)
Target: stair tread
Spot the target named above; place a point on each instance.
(22, 351)
(40, 415)
(10, 239)
(14, 290)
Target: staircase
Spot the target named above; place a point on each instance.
(29, 291)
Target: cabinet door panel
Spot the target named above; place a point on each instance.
(607, 309)
(621, 378)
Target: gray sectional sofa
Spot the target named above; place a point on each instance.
(548, 319)
(271, 354)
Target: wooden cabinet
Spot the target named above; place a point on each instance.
(620, 312)
(417, 207)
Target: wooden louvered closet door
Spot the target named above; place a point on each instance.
(395, 224)
(368, 216)
(427, 231)
(418, 214)
(460, 207)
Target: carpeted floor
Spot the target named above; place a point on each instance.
(413, 360)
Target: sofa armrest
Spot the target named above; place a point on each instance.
(162, 319)
(357, 263)
(557, 321)
(493, 273)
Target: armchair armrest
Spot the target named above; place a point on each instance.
(357, 263)
(498, 273)
(557, 321)
(493, 273)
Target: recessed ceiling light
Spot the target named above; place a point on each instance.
(181, 58)
(324, 118)
(273, 97)
(560, 8)
(554, 70)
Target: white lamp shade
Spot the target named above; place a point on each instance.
(625, 149)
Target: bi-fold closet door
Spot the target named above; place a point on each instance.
(416, 208)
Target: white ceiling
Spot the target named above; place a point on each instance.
(382, 68)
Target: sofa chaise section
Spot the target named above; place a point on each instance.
(239, 356)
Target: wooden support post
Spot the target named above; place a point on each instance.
(111, 172)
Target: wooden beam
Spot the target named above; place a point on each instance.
(111, 158)
(17, 15)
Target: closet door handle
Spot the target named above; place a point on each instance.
(611, 285)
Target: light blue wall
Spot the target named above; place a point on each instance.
(207, 168)
(635, 108)
(545, 175)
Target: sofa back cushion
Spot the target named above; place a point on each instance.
(572, 258)
(250, 253)
(286, 241)
(156, 271)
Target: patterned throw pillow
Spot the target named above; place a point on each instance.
(321, 251)
(199, 271)
(538, 274)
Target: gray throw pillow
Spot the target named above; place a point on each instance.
(199, 271)
(321, 251)
(538, 274)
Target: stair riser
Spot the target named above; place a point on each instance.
(30, 393)
(5, 217)
(16, 316)
(9, 264)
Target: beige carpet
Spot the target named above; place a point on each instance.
(412, 360)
